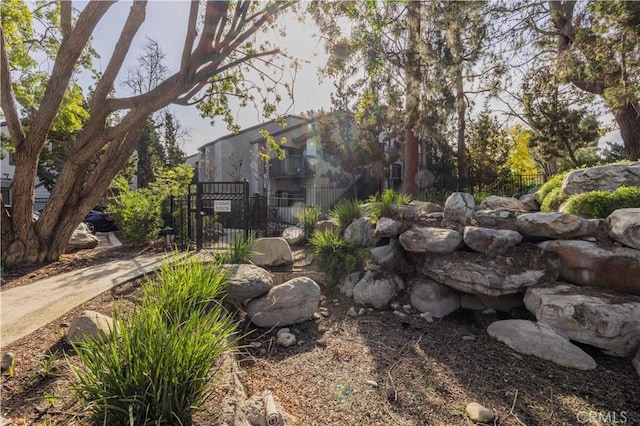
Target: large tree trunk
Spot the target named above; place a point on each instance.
(628, 119)
(410, 176)
(463, 177)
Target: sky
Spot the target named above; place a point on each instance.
(166, 23)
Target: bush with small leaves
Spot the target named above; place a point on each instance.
(600, 204)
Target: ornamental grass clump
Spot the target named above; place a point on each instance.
(157, 367)
(308, 219)
(345, 212)
(382, 205)
(335, 256)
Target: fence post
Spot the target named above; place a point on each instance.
(199, 212)
(245, 195)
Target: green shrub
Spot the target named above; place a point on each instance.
(345, 212)
(600, 204)
(138, 213)
(382, 205)
(553, 183)
(553, 200)
(335, 257)
(308, 219)
(156, 369)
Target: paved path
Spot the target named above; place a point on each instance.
(26, 308)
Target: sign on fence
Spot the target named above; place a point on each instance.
(222, 206)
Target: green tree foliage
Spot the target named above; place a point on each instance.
(597, 43)
(561, 125)
(489, 147)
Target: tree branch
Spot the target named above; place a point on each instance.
(132, 25)
(192, 33)
(16, 131)
(65, 18)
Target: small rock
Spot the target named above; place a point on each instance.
(372, 383)
(324, 312)
(255, 344)
(7, 360)
(426, 316)
(407, 308)
(394, 305)
(286, 339)
(362, 311)
(468, 338)
(478, 413)
(399, 314)
(322, 328)
(352, 312)
(283, 330)
(489, 312)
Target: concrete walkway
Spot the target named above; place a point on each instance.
(26, 308)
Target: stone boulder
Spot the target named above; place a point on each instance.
(431, 240)
(497, 219)
(636, 363)
(361, 232)
(82, 240)
(246, 282)
(377, 290)
(458, 211)
(541, 341)
(387, 227)
(530, 202)
(602, 178)
(90, 325)
(293, 235)
(288, 303)
(624, 227)
(269, 252)
(491, 242)
(558, 226)
(474, 273)
(425, 207)
(586, 263)
(601, 318)
(429, 296)
(494, 202)
(389, 256)
(324, 225)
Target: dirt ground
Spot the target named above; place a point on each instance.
(376, 369)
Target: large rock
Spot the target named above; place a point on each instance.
(431, 240)
(390, 257)
(293, 235)
(586, 263)
(474, 273)
(602, 178)
(245, 282)
(497, 219)
(289, 303)
(458, 211)
(269, 252)
(437, 299)
(494, 202)
(624, 227)
(377, 290)
(601, 318)
(90, 325)
(387, 227)
(559, 226)
(491, 241)
(81, 240)
(361, 232)
(541, 341)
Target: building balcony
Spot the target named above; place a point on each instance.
(293, 166)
